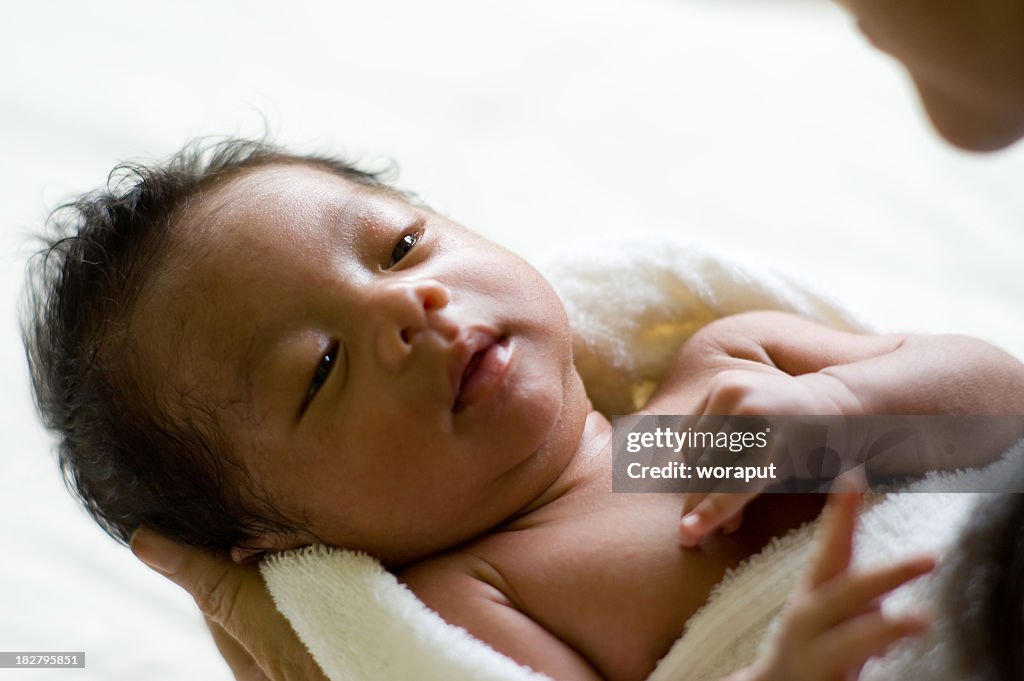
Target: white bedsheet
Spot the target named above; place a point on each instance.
(763, 126)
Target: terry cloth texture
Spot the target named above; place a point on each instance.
(632, 303)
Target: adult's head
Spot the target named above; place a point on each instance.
(966, 58)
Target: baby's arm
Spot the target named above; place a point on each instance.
(843, 372)
(772, 363)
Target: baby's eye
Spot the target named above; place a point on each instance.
(402, 248)
(323, 370)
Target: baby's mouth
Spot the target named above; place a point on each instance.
(471, 368)
(482, 373)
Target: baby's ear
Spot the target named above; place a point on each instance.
(242, 555)
(250, 549)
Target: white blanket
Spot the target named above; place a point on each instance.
(631, 305)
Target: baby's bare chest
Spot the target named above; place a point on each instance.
(611, 580)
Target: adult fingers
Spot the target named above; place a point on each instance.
(234, 597)
(225, 591)
(242, 664)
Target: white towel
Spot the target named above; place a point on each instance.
(631, 305)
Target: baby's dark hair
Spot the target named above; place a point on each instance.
(129, 458)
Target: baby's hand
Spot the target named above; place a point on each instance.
(833, 624)
(756, 391)
(705, 512)
(760, 390)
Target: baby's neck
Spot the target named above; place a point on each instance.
(590, 467)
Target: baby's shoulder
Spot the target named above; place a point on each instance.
(466, 590)
(454, 576)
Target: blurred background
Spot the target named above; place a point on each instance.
(767, 127)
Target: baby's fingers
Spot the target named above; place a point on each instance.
(712, 512)
(733, 523)
(691, 500)
(849, 646)
(835, 543)
(847, 596)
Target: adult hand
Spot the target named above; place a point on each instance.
(253, 636)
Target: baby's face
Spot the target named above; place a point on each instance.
(391, 381)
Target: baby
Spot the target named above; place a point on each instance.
(258, 351)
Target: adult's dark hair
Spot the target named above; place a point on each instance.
(124, 453)
(987, 590)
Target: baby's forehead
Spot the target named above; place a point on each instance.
(299, 198)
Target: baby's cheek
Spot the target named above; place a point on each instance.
(555, 416)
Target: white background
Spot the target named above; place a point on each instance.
(768, 127)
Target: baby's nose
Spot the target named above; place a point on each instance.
(404, 311)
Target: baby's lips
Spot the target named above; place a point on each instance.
(467, 343)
